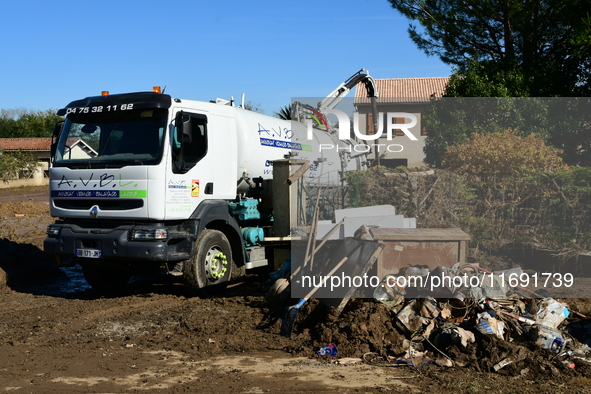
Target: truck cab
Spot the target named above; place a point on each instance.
(136, 179)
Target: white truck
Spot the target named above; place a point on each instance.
(146, 180)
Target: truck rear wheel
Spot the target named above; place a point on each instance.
(104, 278)
(210, 268)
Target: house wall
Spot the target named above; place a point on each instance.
(41, 175)
(411, 154)
(38, 179)
(79, 153)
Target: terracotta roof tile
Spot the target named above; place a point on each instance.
(37, 144)
(404, 90)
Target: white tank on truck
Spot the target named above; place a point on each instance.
(143, 179)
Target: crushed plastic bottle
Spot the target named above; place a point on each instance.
(383, 293)
(550, 339)
(503, 363)
(328, 350)
(391, 296)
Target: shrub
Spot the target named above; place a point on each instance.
(502, 154)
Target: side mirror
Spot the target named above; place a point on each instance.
(57, 129)
(89, 128)
(184, 128)
(56, 132)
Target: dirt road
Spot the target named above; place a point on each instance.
(57, 335)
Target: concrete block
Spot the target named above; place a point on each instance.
(324, 226)
(410, 223)
(376, 210)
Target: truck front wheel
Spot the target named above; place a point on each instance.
(210, 268)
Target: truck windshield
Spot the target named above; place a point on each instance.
(107, 140)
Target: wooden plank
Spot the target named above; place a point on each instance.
(298, 174)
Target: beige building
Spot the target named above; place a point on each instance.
(398, 96)
(41, 149)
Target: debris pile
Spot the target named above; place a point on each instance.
(489, 329)
(418, 315)
(436, 330)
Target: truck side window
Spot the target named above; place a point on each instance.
(185, 154)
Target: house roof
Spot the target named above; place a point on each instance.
(29, 144)
(83, 145)
(41, 144)
(403, 90)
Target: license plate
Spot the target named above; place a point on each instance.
(88, 253)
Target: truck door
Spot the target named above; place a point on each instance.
(189, 146)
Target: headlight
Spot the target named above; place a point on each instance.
(148, 234)
(53, 231)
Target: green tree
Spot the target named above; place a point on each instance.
(485, 79)
(284, 113)
(562, 123)
(21, 123)
(548, 42)
(12, 163)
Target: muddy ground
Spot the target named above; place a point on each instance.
(58, 335)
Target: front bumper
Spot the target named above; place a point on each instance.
(115, 243)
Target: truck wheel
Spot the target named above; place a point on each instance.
(104, 279)
(210, 268)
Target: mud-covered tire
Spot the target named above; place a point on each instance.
(105, 279)
(209, 270)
